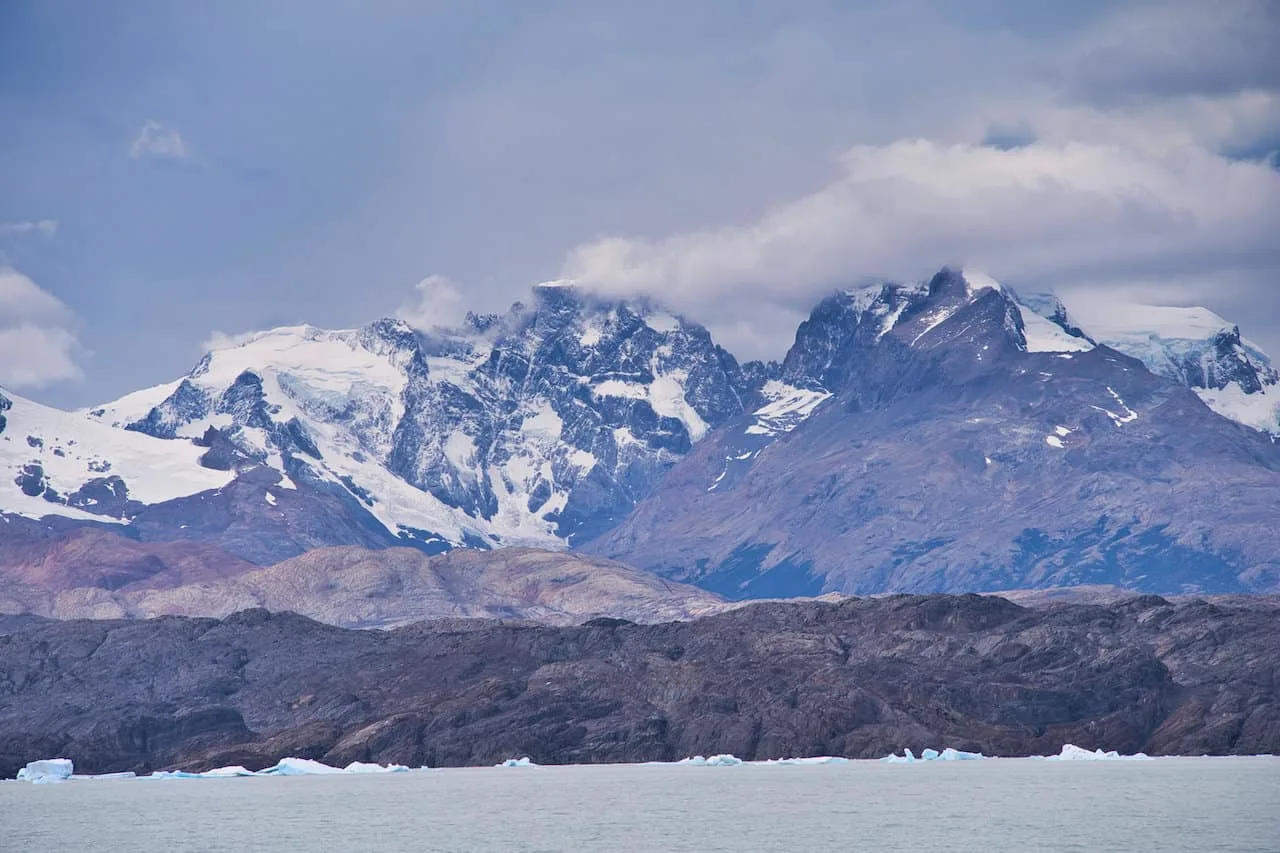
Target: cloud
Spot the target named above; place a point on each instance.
(44, 227)
(222, 340)
(437, 301)
(38, 345)
(159, 140)
(1040, 215)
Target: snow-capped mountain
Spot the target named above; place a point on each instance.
(950, 434)
(66, 464)
(542, 426)
(1199, 349)
(966, 439)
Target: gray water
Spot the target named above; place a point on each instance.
(1166, 805)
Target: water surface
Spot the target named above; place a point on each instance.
(1196, 804)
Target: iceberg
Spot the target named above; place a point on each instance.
(713, 761)
(948, 754)
(99, 777)
(1071, 752)
(173, 774)
(517, 762)
(362, 767)
(803, 762)
(299, 767)
(46, 771)
(226, 772)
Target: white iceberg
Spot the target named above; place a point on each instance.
(47, 770)
(226, 772)
(1071, 752)
(803, 762)
(948, 754)
(713, 761)
(299, 767)
(362, 767)
(517, 762)
(99, 777)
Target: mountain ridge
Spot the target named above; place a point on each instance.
(555, 424)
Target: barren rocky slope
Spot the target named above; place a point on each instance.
(857, 678)
(360, 588)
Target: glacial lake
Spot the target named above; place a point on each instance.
(1179, 804)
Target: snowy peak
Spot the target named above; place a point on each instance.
(965, 311)
(1196, 348)
(66, 464)
(538, 426)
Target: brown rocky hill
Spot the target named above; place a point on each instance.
(356, 587)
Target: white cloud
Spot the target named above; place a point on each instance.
(222, 340)
(37, 343)
(44, 227)
(159, 140)
(1041, 215)
(438, 301)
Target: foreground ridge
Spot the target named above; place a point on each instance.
(862, 678)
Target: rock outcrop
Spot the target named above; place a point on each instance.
(859, 678)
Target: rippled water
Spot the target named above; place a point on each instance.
(1200, 804)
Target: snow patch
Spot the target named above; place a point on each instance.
(1260, 411)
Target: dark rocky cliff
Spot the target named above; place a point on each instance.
(859, 678)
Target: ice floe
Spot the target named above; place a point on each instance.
(948, 754)
(47, 770)
(1071, 752)
(713, 761)
(517, 762)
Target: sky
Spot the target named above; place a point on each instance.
(174, 174)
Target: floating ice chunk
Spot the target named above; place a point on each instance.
(948, 754)
(173, 774)
(226, 772)
(517, 762)
(713, 761)
(805, 762)
(1071, 752)
(362, 767)
(101, 777)
(47, 770)
(298, 767)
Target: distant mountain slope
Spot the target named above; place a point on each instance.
(359, 588)
(964, 448)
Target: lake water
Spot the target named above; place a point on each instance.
(1199, 804)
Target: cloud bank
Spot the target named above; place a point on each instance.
(37, 342)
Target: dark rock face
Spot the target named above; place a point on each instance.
(859, 678)
(950, 457)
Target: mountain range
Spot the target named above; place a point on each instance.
(950, 435)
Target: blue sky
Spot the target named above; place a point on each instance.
(170, 171)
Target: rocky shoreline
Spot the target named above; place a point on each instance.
(859, 678)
